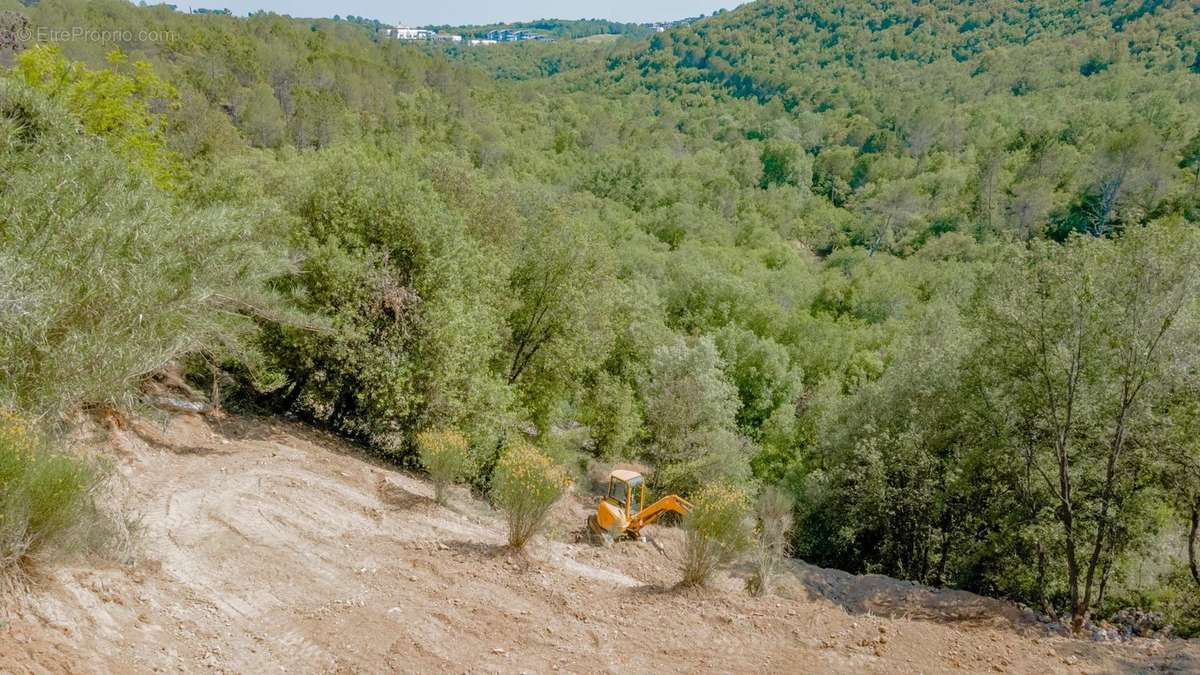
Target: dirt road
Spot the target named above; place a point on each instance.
(269, 547)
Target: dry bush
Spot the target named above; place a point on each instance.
(525, 485)
(715, 530)
(771, 546)
(445, 454)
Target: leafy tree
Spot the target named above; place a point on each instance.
(1125, 164)
(260, 117)
(410, 313)
(562, 287)
(1029, 207)
(103, 283)
(1083, 343)
(612, 412)
(690, 415)
(119, 107)
(762, 371)
(784, 163)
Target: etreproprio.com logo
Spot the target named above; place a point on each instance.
(84, 34)
(27, 34)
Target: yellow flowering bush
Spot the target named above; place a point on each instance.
(715, 530)
(525, 485)
(445, 454)
(44, 496)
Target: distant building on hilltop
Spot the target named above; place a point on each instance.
(660, 26)
(511, 35)
(406, 33)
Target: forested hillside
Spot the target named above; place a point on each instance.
(931, 267)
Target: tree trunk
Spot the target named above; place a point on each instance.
(1041, 580)
(1077, 607)
(293, 395)
(214, 393)
(341, 407)
(1193, 563)
(1104, 570)
(943, 554)
(1066, 515)
(1102, 521)
(883, 229)
(1108, 200)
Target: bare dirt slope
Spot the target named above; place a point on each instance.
(268, 547)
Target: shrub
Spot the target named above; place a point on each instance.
(771, 546)
(610, 411)
(715, 530)
(1179, 600)
(445, 455)
(47, 499)
(525, 485)
(412, 313)
(109, 279)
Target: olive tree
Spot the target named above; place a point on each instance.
(1083, 343)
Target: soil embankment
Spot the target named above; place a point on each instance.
(269, 547)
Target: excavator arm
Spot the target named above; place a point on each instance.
(651, 513)
(617, 515)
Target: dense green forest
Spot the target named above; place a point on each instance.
(931, 267)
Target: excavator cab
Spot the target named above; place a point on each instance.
(623, 511)
(626, 491)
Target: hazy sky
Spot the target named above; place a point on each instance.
(413, 13)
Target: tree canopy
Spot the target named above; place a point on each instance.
(928, 266)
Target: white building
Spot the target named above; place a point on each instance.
(514, 35)
(406, 33)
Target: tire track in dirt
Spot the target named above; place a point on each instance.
(270, 545)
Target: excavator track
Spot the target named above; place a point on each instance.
(596, 534)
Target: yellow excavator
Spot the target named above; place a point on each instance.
(622, 512)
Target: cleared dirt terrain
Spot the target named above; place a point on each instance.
(269, 547)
